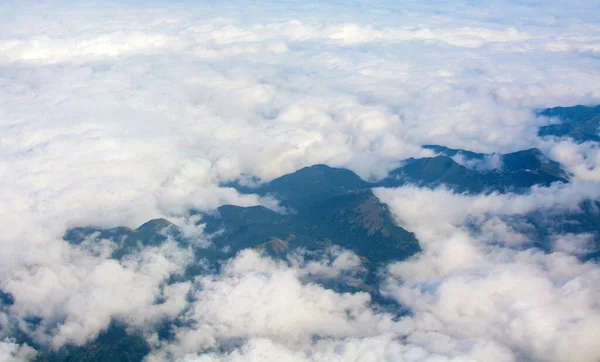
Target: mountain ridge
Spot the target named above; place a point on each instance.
(330, 207)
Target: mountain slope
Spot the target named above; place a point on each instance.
(521, 171)
(581, 123)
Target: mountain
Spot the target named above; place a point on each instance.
(356, 221)
(327, 207)
(127, 240)
(587, 220)
(531, 159)
(433, 172)
(518, 171)
(451, 152)
(317, 181)
(581, 123)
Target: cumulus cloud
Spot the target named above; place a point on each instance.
(77, 298)
(113, 114)
(260, 309)
(373, 349)
(582, 160)
(469, 285)
(13, 352)
(257, 297)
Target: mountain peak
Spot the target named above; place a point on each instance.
(581, 123)
(154, 225)
(313, 181)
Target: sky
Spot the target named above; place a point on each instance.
(114, 113)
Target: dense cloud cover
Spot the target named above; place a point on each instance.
(115, 113)
(483, 286)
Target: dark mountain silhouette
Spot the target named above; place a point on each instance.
(519, 171)
(581, 123)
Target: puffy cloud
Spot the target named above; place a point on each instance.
(582, 160)
(48, 51)
(78, 297)
(465, 284)
(114, 113)
(260, 309)
(574, 243)
(487, 163)
(256, 297)
(13, 352)
(372, 349)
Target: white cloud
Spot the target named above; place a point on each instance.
(466, 285)
(373, 349)
(487, 163)
(255, 297)
(574, 243)
(81, 293)
(13, 352)
(582, 160)
(113, 114)
(259, 309)
(46, 50)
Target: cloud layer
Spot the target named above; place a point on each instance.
(116, 113)
(486, 286)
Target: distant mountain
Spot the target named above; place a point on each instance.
(317, 181)
(333, 206)
(587, 220)
(530, 159)
(128, 241)
(581, 123)
(326, 207)
(451, 152)
(517, 173)
(533, 160)
(436, 171)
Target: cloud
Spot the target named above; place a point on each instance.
(114, 114)
(574, 243)
(366, 349)
(13, 352)
(582, 160)
(256, 297)
(260, 309)
(75, 291)
(485, 285)
(49, 51)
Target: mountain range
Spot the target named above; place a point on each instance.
(323, 207)
(580, 123)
